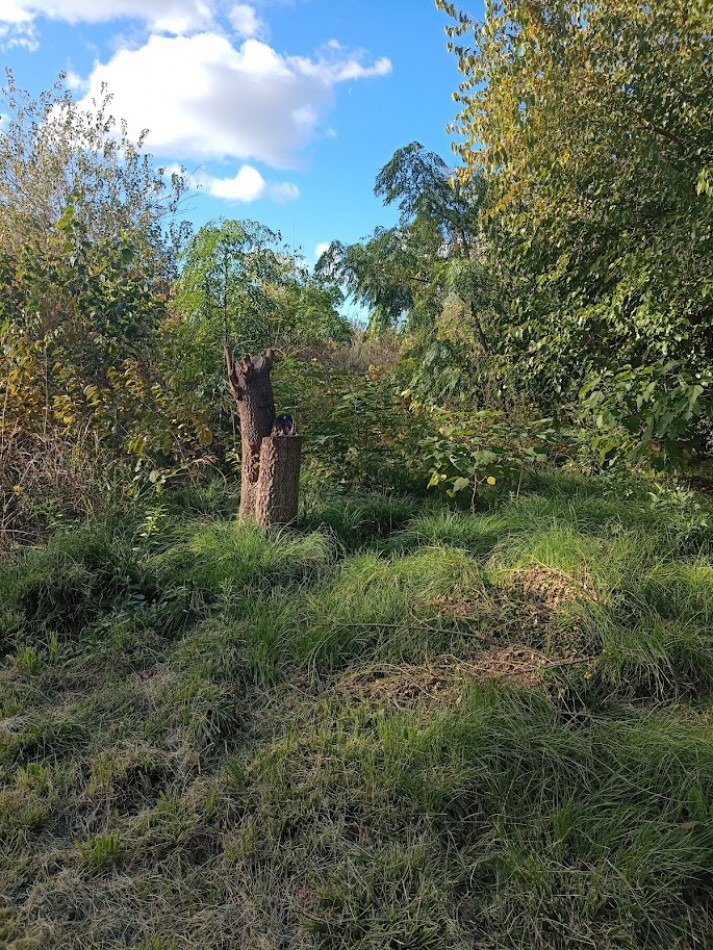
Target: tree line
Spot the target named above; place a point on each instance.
(550, 296)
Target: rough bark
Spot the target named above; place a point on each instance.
(251, 386)
(279, 482)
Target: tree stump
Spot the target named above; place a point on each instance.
(270, 472)
(279, 481)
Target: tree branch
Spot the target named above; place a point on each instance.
(233, 378)
(659, 130)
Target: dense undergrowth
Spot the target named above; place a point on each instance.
(398, 726)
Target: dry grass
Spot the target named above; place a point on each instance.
(47, 479)
(443, 680)
(489, 731)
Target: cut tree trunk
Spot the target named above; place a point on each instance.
(270, 461)
(251, 386)
(279, 482)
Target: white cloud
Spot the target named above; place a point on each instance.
(15, 11)
(343, 69)
(246, 186)
(18, 34)
(321, 248)
(202, 98)
(245, 21)
(75, 82)
(176, 16)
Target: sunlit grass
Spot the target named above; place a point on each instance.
(395, 726)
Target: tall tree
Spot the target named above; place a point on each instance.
(420, 273)
(591, 124)
(229, 270)
(86, 254)
(239, 281)
(402, 273)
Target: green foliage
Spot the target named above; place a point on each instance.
(84, 259)
(406, 274)
(372, 273)
(594, 140)
(231, 275)
(472, 450)
(359, 431)
(240, 283)
(648, 410)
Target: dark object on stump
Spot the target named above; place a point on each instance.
(284, 425)
(271, 462)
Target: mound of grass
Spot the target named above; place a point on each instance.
(397, 726)
(67, 584)
(387, 609)
(359, 521)
(221, 556)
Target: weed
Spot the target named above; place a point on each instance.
(100, 851)
(28, 660)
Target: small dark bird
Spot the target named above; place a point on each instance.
(284, 425)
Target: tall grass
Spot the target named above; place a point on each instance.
(398, 726)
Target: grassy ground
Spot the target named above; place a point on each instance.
(399, 727)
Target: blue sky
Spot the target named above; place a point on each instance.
(281, 110)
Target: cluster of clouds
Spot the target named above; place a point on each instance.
(206, 83)
(176, 16)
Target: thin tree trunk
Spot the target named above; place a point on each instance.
(482, 339)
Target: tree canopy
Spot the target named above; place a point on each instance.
(591, 125)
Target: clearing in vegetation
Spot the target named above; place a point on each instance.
(398, 727)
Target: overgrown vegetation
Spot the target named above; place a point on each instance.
(596, 162)
(487, 730)
(466, 701)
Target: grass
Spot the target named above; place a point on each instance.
(398, 726)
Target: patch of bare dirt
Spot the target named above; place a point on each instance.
(547, 587)
(460, 606)
(441, 681)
